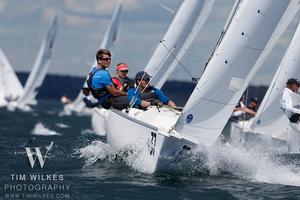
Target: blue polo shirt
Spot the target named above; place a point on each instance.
(100, 80)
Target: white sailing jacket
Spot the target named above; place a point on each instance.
(289, 104)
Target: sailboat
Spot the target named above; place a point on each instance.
(164, 133)
(183, 29)
(38, 72)
(10, 86)
(109, 40)
(270, 121)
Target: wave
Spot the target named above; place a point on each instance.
(252, 164)
(40, 129)
(62, 125)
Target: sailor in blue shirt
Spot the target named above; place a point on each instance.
(101, 86)
(148, 92)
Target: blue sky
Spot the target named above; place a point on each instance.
(82, 24)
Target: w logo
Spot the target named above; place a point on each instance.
(32, 156)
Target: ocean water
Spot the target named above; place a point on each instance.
(80, 165)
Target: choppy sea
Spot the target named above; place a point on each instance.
(80, 165)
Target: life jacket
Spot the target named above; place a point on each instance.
(97, 93)
(125, 82)
(150, 95)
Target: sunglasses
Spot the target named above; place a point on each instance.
(106, 59)
(124, 71)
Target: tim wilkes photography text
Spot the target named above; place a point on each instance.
(36, 186)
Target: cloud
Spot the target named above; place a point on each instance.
(100, 7)
(2, 6)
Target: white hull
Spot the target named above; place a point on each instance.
(240, 134)
(293, 140)
(99, 120)
(160, 147)
(69, 109)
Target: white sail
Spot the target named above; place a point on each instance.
(202, 17)
(229, 70)
(40, 67)
(189, 17)
(2, 92)
(11, 87)
(109, 40)
(270, 119)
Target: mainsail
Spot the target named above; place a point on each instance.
(109, 40)
(10, 86)
(229, 70)
(270, 119)
(40, 67)
(183, 29)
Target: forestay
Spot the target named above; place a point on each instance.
(40, 67)
(270, 118)
(188, 20)
(229, 70)
(202, 17)
(10, 85)
(109, 40)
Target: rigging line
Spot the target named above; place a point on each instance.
(133, 100)
(253, 125)
(224, 30)
(181, 64)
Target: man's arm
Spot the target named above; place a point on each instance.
(112, 90)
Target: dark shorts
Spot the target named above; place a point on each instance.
(295, 118)
(119, 102)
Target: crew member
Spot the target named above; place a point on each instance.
(290, 107)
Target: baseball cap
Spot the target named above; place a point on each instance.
(142, 74)
(293, 81)
(122, 67)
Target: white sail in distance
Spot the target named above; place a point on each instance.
(109, 41)
(188, 20)
(270, 119)
(40, 67)
(11, 87)
(229, 70)
(171, 65)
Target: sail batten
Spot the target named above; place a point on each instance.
(230, 69)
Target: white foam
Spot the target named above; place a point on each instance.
(87, 132)
(40, 129)
(251, 164)
(62, 125)
(97, 150)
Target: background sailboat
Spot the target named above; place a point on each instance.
(10, 86)
(238, 130)
(270, 120)
(38, 72)
(109, 40)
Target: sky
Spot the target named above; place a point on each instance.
(82, 24)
